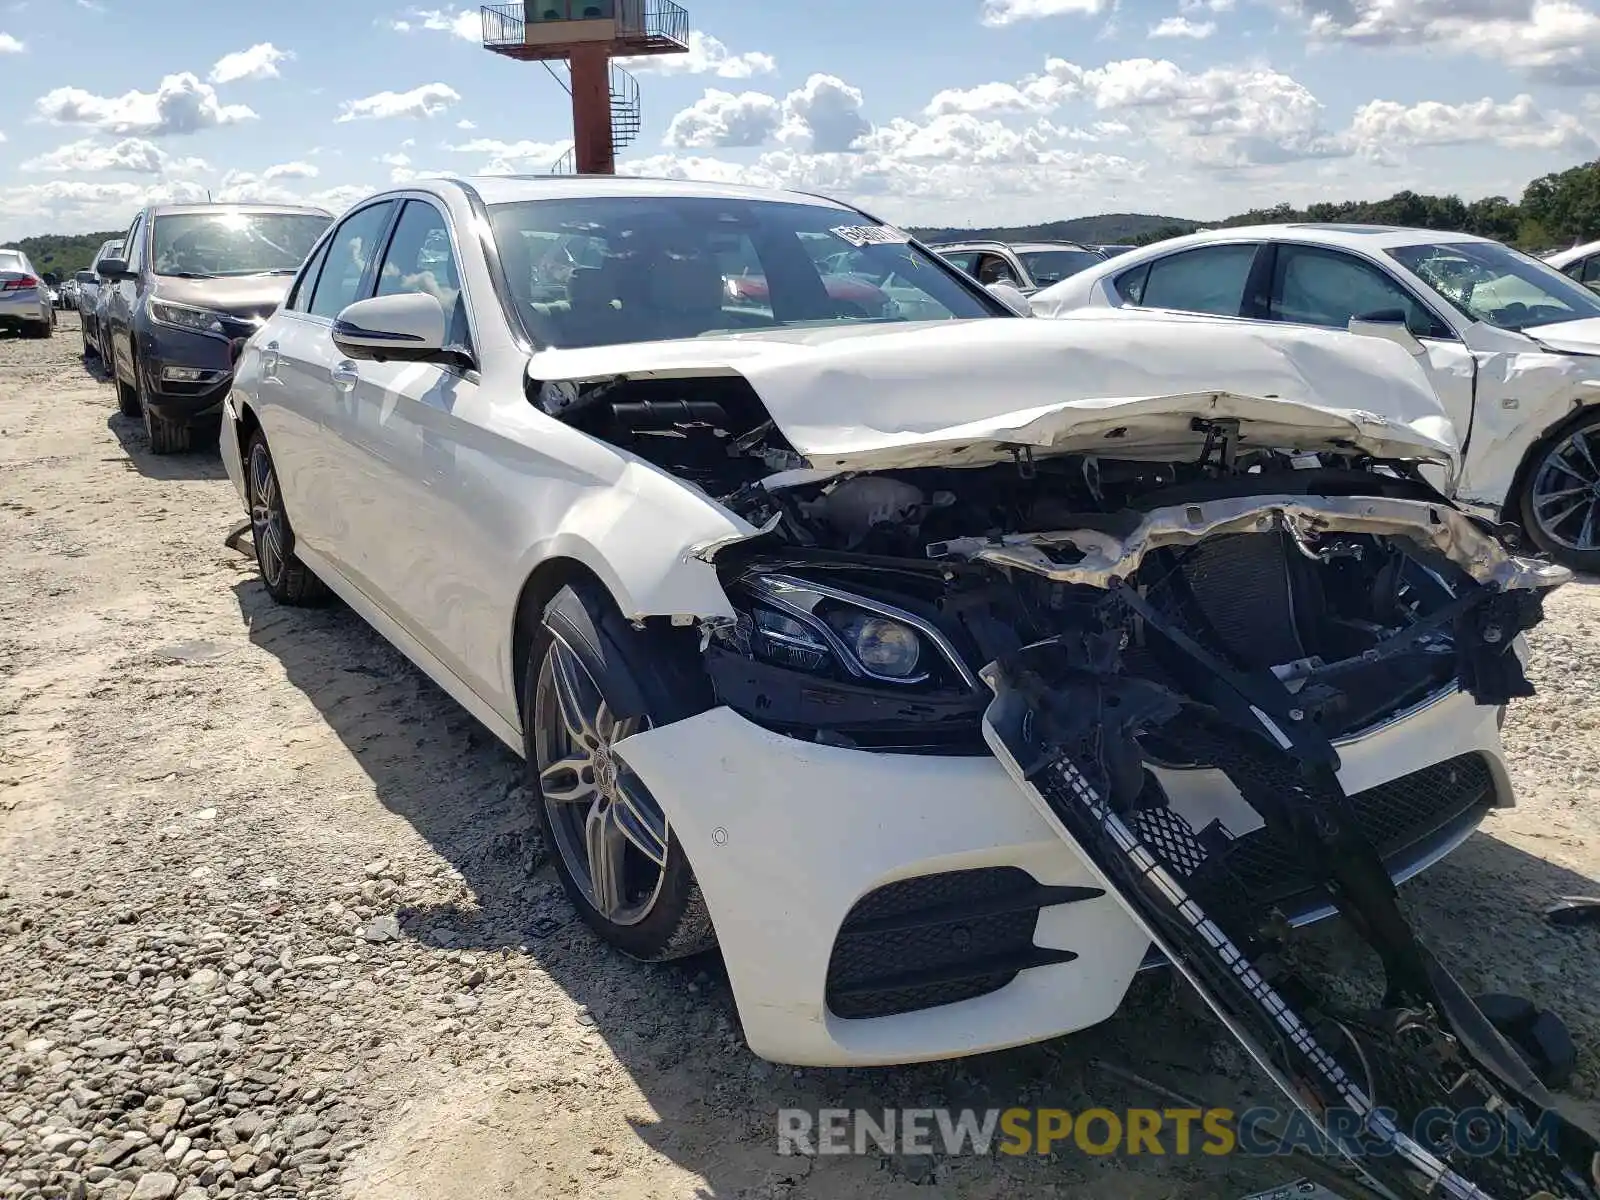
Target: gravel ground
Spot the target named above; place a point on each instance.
(274, 919)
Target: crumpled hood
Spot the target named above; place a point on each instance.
(877, 397)
(1569, 337)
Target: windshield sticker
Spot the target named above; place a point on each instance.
(871, 235)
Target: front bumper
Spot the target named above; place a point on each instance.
(165, 350)
(788, 837)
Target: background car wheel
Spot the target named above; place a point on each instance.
(592, 681)
(90, 349)
(288, 580)
(1560, 502)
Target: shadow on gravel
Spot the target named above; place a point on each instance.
(201, 463)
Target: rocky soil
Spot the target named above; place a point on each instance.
(274, 920)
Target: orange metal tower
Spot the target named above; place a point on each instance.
(587, 35)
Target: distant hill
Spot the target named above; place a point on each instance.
(63, 255)
(1108, 229)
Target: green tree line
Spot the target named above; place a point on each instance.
(64, 254)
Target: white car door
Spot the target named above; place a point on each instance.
(305, 394)
(409, 432)
(1321, 285)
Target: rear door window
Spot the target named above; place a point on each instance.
(1208, 279)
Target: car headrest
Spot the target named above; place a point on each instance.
(686, 283)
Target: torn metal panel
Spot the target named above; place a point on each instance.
(1102, 558)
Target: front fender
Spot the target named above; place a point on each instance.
(1521, 400)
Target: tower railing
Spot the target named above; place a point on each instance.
(658, 25)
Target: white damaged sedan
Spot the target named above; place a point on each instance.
(942, 667)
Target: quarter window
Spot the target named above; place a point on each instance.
(350, 252)
(1312, 286)
(1591, 272)
(1210, 279)
(300, 299)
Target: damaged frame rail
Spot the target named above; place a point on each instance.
(1073, 732)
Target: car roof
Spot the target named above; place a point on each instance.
(511, 189)
(1564, 257)
(1354, 237)
(993, 243)
(178, 210)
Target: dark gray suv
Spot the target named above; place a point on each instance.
(194, 282)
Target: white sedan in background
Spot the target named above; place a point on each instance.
(1511, 345)
(936, 669)
(1581, 263)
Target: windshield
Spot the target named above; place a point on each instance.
(233, 243)
(602, 271)
(1497, 285)
(1045, 267)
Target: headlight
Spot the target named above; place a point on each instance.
(181, 316)
(813, 627)
(882, 646)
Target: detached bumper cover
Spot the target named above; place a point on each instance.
(799, 847)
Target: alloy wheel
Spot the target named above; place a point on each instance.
(266, 515)
(1566, 491)
(609, 831)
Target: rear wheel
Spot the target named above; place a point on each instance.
(90, 349)
(593, 681)
(1560, 502)
(288, 580)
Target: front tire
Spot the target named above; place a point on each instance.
(287, 579)
(1559, 506)
(593, 680)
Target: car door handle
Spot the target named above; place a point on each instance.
(270, 360)
(346, 375)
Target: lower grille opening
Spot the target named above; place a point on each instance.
(939, 939)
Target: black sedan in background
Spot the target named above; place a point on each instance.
(194, 281)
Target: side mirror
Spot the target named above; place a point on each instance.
(114, 269)
(1011, 296)
(408, 327)
(1390, 325)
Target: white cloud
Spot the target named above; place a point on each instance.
(1008, 12)
(706, 56)
(291, 170)
(465, 23)
(1554, 41)
(985, 98)
(824, 116)
(261, 61)
(512, 158)
(722, 119)
(180, 104)
(429, 100)
(1203, 6)
(1224, 117)
(1183, 27)
(135, 155)
(1382, 128)
(466, 124)
(10, 45)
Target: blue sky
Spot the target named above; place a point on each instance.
(947, 111)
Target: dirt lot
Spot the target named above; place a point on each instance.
(207, 803)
